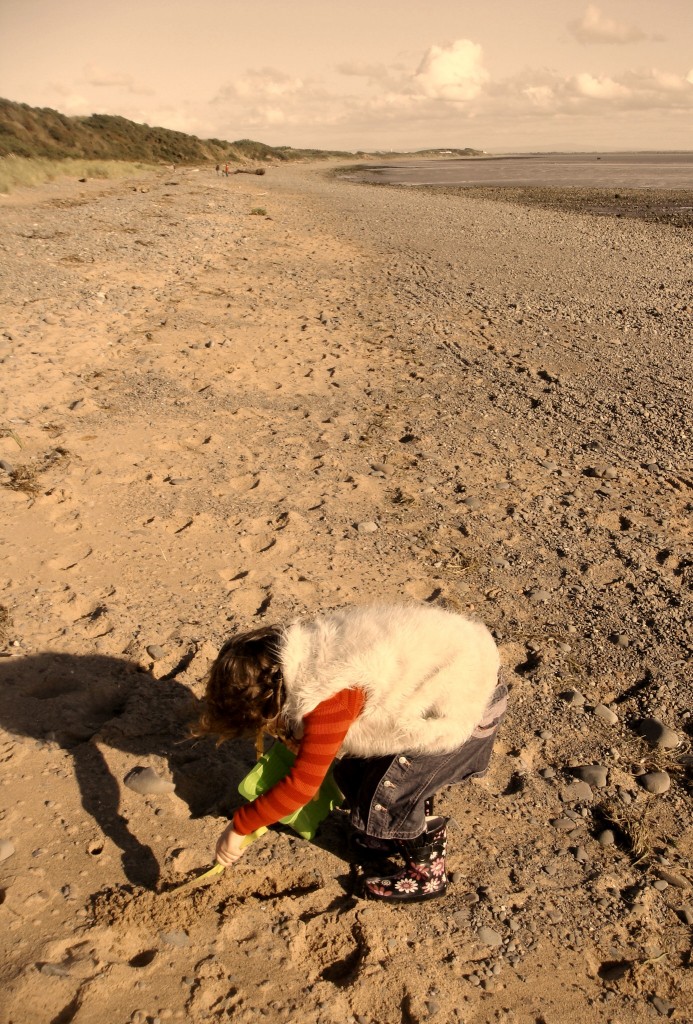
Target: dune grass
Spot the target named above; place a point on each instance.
(27, 172)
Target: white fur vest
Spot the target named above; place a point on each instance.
(428, 675)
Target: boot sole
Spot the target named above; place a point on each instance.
(399, 900)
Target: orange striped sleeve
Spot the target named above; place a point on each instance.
(324, 731)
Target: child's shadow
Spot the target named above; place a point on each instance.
(75, 701)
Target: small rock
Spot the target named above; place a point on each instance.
(563, 824)
(146, 782)
(368, 527)
(673, 878)
(156, 652)
(581, 854)
(547, 773)
(593, 774)
(489, 936)
(175, 938)
(686, 914)
(473, 503)
(620, 639)
(605, 714)
(539, 596)
(663, 1006)
(576, 792)
(660, 885)
(607, 837)
(6, 849)
(573, 697)
(50, 318)
(655, 782)
(656, 733)
(6, 466)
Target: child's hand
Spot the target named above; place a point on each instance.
(230, 846)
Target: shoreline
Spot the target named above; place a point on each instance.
(227, 419)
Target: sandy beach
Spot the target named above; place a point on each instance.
(229, 401)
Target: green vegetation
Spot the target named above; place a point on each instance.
(258, 211)
(25, 172)
(42, 132)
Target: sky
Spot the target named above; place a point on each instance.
(498, 75)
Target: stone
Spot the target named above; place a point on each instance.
(607, 837)
(673, 878)
(368, 527)
(6, 849)
(604, 713)
(656, 733)
(473, 503)
(177, 938)
(576, 792)
(539, 596)
(686, 914)
(156, 652)
(663, 1006)
(594, 774)
(573, 697)
(146, 782)
(489, 936)
(655, 782)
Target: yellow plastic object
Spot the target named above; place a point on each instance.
(218, 869)
(272, 768)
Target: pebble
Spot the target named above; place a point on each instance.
(620, 639)
(175, 938)
(145, 781)
(593, 774)
(489, 936)
(663, 1006)
(473, 503)
(539, 596)
(656, 733)
(655, 782)
(368, 527)
(687, 916)
(564, 824)
(605, 714)
(6, 849)
(547, 773)
(6, 466)
(156, 652)
(606, 838)
(673, 878)
(576, 792)
(573, 697)
(581, 854)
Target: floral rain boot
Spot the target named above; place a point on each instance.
(371, 846)
(423, 876)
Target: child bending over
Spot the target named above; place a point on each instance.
(406, 698)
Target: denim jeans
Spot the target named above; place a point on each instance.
(386, 795)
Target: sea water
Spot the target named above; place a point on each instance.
(562, 170)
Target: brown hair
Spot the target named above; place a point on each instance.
(245, 690)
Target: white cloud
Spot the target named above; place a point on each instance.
(97, 76)
(449, 88)
(601, 88)
(594, 27)
(454, 72)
